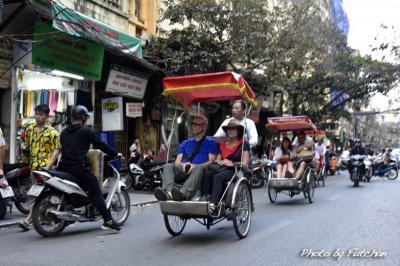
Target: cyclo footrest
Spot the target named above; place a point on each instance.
(188, 209)
(284, 183)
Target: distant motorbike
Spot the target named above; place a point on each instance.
(260, 170)
(14, 187)
(355, 164)
(379, 169)
(144, 175)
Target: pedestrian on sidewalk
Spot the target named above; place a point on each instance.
(43, 145)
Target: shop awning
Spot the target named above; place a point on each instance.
(80, 25)
(211, 87)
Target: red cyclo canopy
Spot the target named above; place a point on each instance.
(290, 123)
(317, 133)
(211, 87)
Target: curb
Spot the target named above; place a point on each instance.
(8, 224)
(144, 203)
(5, 225)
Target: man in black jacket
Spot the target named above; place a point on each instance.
(75, 144)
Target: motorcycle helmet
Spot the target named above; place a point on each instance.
(80, 112)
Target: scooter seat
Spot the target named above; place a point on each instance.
(152, 164)
(63, 175)
(13, 166)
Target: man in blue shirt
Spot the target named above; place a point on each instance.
(194, 155)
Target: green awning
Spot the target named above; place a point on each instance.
(80, 25)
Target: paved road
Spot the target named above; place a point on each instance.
(342, 218)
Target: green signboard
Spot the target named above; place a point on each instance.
(67, 53)
(80, 25)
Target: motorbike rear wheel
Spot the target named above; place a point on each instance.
(21, 197)
(257, 179)
(127, 179)
(44, 222)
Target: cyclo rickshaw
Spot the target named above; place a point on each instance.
(324, 160)
(236, 203)
(291, 185)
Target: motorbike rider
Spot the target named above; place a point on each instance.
(75, 142)
(357, 150)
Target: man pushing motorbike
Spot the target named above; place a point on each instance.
(75, 142)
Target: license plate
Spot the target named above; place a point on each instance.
(35, 190)
(6, 192)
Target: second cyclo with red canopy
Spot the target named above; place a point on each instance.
(292, 186)
(236, 203)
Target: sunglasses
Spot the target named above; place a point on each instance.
(197, 124)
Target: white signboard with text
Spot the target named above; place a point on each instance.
(133, 109)
(112, 114)
(125, 82)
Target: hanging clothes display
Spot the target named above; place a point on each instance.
(56, 100)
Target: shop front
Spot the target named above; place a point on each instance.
(78, 60)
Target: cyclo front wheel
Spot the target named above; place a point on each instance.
(174, 224)
(241, 213)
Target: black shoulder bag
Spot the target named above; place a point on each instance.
(194, 153)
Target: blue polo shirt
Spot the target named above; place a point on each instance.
(187, 147)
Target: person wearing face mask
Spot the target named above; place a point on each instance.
(238, 112)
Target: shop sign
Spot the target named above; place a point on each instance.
(112, 114)
(72, 55)
(133, 109)
(126, 82)
(5, 66)
(80, 25)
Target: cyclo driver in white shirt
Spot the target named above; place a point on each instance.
(320, 150)
(304, 142)
(238, 112)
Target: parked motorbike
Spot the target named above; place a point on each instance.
(14, 188)
(355, 164)
(6, 196)
(260, 170)
(145, 175)
(379, 169)
(61, 202)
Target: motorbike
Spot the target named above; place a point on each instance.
(144, 175)
(375, 168)
(6, 196)
(260, 170)
(355, 164)
(61, 202)
(370, 163)
(14, 188)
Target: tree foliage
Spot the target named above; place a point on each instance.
(301, 53)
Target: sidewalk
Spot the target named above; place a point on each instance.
(138, 198)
